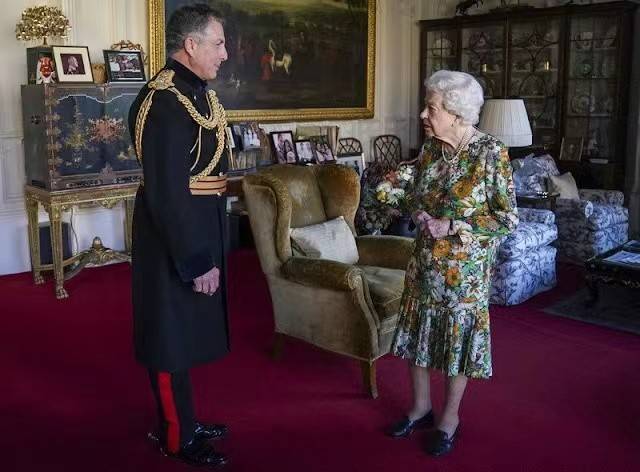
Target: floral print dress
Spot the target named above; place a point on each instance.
(444, 312)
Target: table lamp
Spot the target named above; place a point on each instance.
(506, 120)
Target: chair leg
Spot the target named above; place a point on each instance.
(369, 377)
(278, 346)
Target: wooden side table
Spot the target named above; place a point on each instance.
(546, 200)
(56, 202)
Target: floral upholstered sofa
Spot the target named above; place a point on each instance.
(587, 226)
(526, 260)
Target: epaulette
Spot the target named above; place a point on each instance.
(163, 80)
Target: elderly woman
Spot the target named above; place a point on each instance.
(465, 201)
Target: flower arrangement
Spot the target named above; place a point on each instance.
(40, 22)
(393, 190)
(385, 196)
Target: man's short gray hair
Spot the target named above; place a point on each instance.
(461, 93)
(190, 20)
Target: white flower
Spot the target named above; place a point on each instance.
(397, 192)
(395, 195)
(385, 187)
(405, 173)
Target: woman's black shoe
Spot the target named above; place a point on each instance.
(440, 443)
(405, 426)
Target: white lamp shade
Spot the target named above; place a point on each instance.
(506, 120)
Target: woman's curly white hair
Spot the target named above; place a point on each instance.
(461, 93)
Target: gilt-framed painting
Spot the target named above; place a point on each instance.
(288, 60)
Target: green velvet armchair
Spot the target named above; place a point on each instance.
(346, 309)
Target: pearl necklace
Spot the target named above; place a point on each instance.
(463, 142)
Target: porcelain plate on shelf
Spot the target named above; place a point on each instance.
(582, 104)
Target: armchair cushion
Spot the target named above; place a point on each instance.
(322, 273)
(607, 197)
(604, 216)
(385, 289)
(331, 240)
(582, 245)
(600, 217)
(565, 185)
(572, 209)
(392, 252)
(530, 173)
(516, 280)
(526, 237)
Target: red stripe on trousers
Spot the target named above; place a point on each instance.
(170, 412)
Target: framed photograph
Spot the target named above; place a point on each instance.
(304, 150)
(356, 162)
(72, 64)
(230, 141)
(571, 149)
(41, 68)
(283, 148)
(124, 66)
(323, 152)
(288, 61)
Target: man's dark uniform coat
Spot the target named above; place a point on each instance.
(177, 236)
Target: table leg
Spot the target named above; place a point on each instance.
(55, 217)
(34, 238)
(128, 223)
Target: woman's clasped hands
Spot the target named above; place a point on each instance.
(437, 228)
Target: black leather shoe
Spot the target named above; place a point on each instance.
(210, 431)
(198, 452)
(440, 443)
(405, 426)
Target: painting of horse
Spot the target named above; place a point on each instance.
(298, 59)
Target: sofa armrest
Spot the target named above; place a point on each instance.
(536, 215)
(568, 208)
(392, 252)
(322, 273)
(607, 197)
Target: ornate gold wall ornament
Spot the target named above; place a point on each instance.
(126, 45)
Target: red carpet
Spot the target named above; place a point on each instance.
(565, 396)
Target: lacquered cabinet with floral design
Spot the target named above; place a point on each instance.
(570, 65)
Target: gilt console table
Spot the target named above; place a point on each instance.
(55, 203)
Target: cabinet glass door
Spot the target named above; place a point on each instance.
(441, 51)
(483, 57)
(534, 62)
(592, 76)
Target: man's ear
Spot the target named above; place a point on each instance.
(190, 46)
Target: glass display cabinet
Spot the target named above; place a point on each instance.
(570, 65)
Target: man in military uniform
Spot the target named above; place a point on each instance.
(179, 228)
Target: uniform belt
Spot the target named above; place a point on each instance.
(210, 185)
